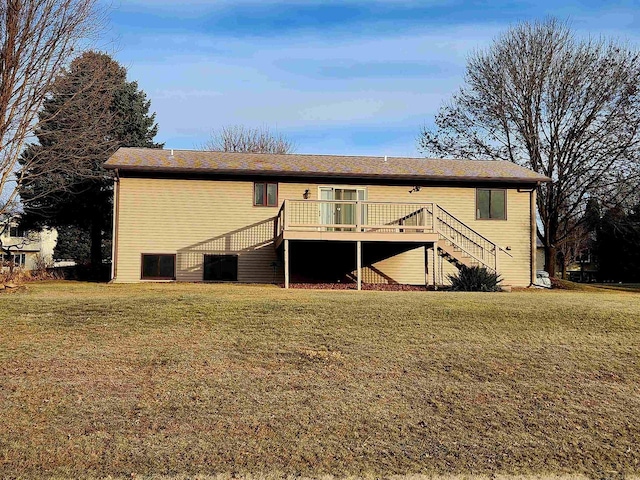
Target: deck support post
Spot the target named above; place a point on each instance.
(359, 263)
(426, 265)
(286, 264)
(435, 265)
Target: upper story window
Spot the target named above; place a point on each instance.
(265, 194)
(584, 257)
(17, 231)
(491, 204)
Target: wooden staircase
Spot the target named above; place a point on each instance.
(462, 246)
(458, 243)
(455, 255)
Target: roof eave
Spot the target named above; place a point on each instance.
(363, 176)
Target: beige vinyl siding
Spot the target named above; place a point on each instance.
(515, 232)
(406, 268)
(190, 218)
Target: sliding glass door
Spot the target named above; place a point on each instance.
(337, 212)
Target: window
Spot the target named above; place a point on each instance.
(491, 204)
(265, 194)
(584, 257)
(221, 268)
(18, 259)
(16, 231)
(158, 267)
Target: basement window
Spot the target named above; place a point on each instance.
(220, 268)
(158, 266)
(265, 194)
(491, 204)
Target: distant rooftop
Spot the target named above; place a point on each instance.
(304, 165)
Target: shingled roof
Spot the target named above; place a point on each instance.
(302, 165)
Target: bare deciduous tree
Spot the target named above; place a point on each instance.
(37, 40)
(573, 248)
(238, 138)
(568, 108)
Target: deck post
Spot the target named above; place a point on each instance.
(435, 265)
(359, 263)
(285, 222)
(434, 220)
(286, 264)
(426, 265)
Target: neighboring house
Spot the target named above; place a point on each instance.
(214, 216)
(539, 254)
(584, 269)
(21, 247)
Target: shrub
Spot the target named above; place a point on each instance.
(42, 270)
(475, 279)
(41, 264)
(11, 275)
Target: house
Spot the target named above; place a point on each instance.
(21, 248)
(539, 254)
(583, 269)
(215, 216)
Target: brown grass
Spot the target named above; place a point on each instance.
(179, 380)
(561, 284)
(626, 287)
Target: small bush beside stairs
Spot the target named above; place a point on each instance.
(475, 279)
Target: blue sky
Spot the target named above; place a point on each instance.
(345, 77)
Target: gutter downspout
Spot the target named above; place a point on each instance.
(116, 215)
(534, 236)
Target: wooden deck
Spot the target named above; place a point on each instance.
(361, 221)
(344, 220)
(320, 235)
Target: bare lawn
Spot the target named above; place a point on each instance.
(181, 380)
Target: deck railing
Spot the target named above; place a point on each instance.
(355, 216)
(385, 217)
(466, 239)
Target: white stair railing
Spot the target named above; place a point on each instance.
(466, 239)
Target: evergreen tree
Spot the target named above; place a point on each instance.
(73, 243)
(69, 131)
(617, 245)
